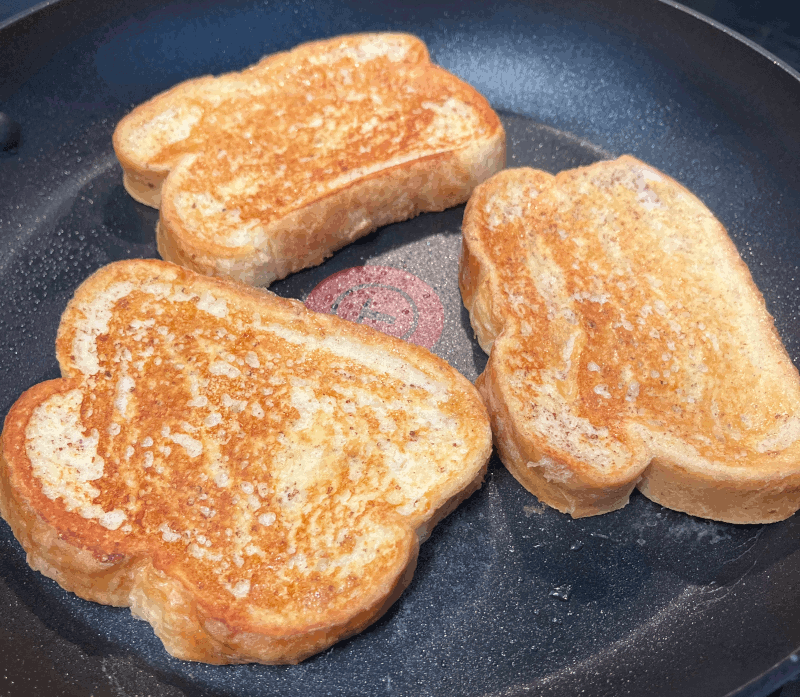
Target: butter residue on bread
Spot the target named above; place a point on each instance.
(263, 172)
(252, 478)
(629, 347)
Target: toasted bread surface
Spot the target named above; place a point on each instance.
(629, 347)
(252, 478)
(266, 171)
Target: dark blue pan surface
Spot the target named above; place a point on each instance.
(509, 598)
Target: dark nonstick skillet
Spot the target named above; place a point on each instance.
(509, 598)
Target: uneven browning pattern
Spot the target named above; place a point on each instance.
(630, 345)
(328, 119)
(275, 462)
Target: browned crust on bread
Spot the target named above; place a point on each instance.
(740, 501)
(90, 571)
(309, 235)
(144, 188)
(184, 599)
(413, 173)
(580, 496)
(670, 373)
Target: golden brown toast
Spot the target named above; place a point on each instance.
(252, 478)
(267, 171)
(629, 347)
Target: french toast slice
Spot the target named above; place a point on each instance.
(261, 173)
(252, 478)
(628, 347)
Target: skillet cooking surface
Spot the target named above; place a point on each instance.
(509, 597)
